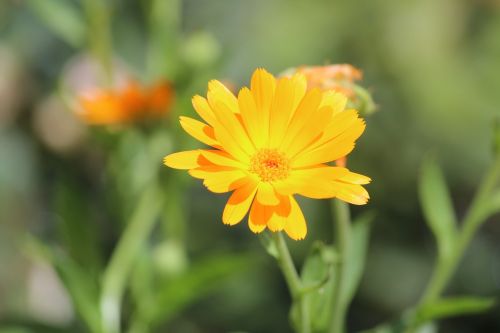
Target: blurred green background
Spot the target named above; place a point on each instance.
(433, 68)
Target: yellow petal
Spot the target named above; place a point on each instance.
(300, 87)
(352, 193)
(256, 228)
(204, 110)
(250, 118)
(306, 108)
(340, 123)
(332, 150)
(222, 158)
(313, 183)
(234, 129)
(295, 227)
(266, 195)
(355, 178)
(183, 160)
(281, 213)
(337, 101)
(281, 111)
(238, 204)
(218, 93)
(199, 131)
(262, 86)
(312, 129)
(225, 181)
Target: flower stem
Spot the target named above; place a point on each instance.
(293, 281)
(120, 266)
(475, 216)
(99, 35)
(342, 235)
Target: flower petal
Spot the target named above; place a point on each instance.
(266, 195)
(200, 131)
(308, 105)
(183, 160)
(313, 183)
(260, 214)
(338, 147)
(295, 227)
(281, 212)
(222, 158)
(312, 129)
(231, 126)
(281, 110)
(355, 178)
(352, 193)
(251, 118)
(225, 181)
(344, 121)
(337, 101)
(262, 86)
(218, 93)
(239, 202)
(204, 110)
(256, 228)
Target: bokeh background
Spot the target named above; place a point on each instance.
(433, 68)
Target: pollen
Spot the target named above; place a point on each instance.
(270, 165)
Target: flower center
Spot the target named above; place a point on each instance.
(270, 165)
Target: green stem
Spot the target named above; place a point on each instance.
(342, 235)
(120, 266)
(293, 281)
(164, 26)
(475, 216)
(99, 35)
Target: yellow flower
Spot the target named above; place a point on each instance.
(271, 142)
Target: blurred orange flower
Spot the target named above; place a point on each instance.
(269, 143)
(130, 103)
(339, 77)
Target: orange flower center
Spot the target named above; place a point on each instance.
(270, 165)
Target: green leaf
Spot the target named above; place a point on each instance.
(82, 288)
(202, 278)
(455, 306)
(268, 244)
(319, 274)
(62, 18)
(494, 203)
(318, 278)
(360, 235)
(437, 206)
(75, 229)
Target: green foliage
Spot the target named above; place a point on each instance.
(62, 18)
(320, 274)
(318, 277)
(268, 244)
(76, 229)
(203, 277)
(82, 288)
(453, 306)
(437, 206)
(360, 235)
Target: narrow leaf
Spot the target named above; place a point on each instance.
(318, 277)
(437, 206)
(81, 287)
(360, 235)
(455, 306)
